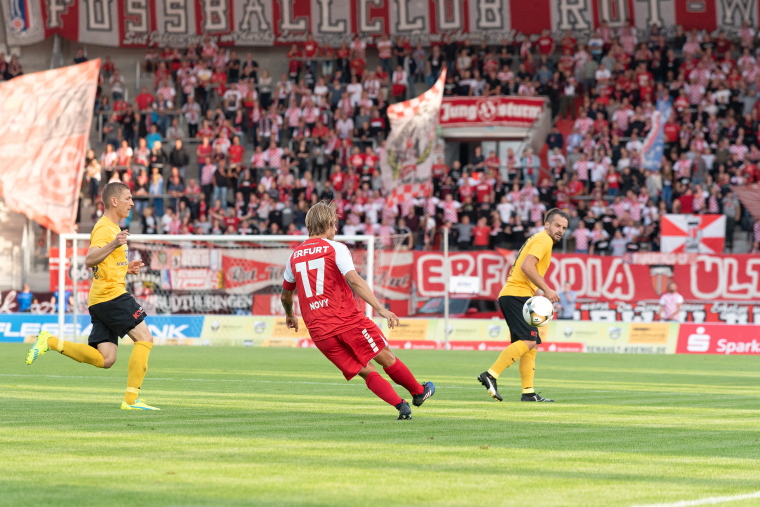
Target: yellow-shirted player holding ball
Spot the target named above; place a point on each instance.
(113, 311)
(525, 277)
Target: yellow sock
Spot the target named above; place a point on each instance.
(77, 351)
(138, 365)
(528, 370)
(508, 357)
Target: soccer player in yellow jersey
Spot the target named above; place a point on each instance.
(523, 280)
(113, 311)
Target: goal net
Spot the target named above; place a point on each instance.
(233, 275)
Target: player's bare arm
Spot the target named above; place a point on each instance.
(359, 286)
(96, 255)
(529, 268)
(287, 303)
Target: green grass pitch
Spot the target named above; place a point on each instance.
(253, 426)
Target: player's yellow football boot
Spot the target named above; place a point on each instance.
(139, 405)
(39, 347)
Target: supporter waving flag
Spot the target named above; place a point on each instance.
(406, 163)
(654, 144)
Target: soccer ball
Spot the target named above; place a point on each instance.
(538, 311)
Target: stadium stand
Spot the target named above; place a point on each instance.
(212, 141)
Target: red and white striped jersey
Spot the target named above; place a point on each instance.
(258, 160)
(583, 125)
(682, 168)
(317, 270)
(619, 208)
(293, 115)
(634, 209)
(310, 115)
(537, 212)
(695, 92)
(621, 118)
(738, 149)
(582, 237)
(582, 168)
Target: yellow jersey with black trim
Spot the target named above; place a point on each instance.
(108, 277)
(540, 246)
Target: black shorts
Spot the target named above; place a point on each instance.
(512, 309)
(113, 319)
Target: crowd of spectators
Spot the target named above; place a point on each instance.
(10, 67)
(265, 148)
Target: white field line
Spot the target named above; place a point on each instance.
(705, 501)
(581, 391)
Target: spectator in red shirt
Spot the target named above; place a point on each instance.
(686, 201)
(337, 178)
(294, 62)
(546, 43)
(310, 48)
(481, 234)
(144, 99)
(358, 65)
(671, 130)
(575, 187)
(235, 152)
(568, 42)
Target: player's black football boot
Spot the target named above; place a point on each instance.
(534, 397)
(404, 411)
(487, 380)
(419, 399)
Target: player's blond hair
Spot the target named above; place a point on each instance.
(320, 217)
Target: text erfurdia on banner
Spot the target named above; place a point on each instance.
(407, 159)
(46, 118)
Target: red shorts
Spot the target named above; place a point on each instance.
(352, 350)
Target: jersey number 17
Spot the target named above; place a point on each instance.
(319, 265)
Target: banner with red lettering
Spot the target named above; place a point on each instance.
(708, 278)
(44, 131)
(177, 23)
(716, 288)
(490, 111)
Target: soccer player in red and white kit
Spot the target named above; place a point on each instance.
(323, 273)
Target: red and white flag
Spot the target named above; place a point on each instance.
(407, 160)
(46, 118)
(693, 233)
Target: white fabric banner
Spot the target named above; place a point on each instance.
(407, 159)
(43, 138)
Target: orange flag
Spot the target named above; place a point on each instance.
(45, 121)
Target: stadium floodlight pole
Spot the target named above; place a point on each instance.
(174, 238)
(446, 288)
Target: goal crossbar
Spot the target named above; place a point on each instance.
(175, 238)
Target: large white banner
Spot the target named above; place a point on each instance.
(407, 160)
(45, 121)
(138, 23)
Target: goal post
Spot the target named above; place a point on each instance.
(152, 244)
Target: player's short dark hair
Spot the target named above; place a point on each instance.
(113, 189)
(556, 211)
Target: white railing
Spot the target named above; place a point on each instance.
(174, 238)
